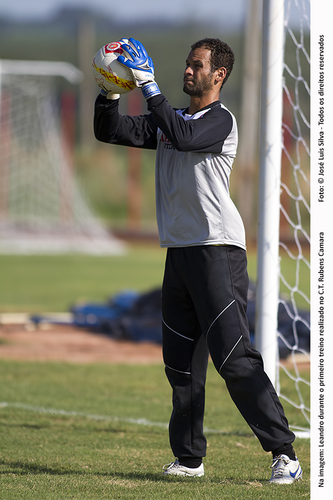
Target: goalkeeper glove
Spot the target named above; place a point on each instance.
(109, 95)
(141, 66)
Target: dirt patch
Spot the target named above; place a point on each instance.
(67, 343)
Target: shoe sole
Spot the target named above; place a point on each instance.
(286, 480)
(182, 474)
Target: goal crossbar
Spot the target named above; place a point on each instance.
(45, 68)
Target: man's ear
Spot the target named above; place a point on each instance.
(220, 75)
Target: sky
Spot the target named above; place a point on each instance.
(193, 10)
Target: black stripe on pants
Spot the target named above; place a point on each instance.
(204, 298)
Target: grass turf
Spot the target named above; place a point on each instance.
(99, 431)
(52, 283)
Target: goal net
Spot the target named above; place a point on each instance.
(283, 288)
(295, 210)
(42, 209)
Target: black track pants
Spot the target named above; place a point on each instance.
(204, 298)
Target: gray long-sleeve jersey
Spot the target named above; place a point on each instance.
(194, 157)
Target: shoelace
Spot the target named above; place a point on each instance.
(172, 464)
(278, 466)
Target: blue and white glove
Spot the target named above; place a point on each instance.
(141, 66)
(109, 95)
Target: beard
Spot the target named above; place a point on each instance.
(198, 89)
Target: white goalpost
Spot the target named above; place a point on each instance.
(42, 209)
(283, 272)
(269, 184)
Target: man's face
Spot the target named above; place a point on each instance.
(198, 78)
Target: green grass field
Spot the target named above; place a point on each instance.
(99, 432)
(39, 283)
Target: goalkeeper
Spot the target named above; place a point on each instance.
(204, 291)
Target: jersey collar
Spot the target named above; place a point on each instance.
(211, 105)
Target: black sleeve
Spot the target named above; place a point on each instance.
(205, 134)
(112, 127)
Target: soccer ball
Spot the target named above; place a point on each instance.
(109, 74)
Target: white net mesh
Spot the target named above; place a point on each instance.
(41, 206)
(294, 336)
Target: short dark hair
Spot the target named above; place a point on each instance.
(221, 54)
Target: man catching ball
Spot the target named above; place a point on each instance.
(204, 292)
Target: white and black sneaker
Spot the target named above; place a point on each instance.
(285, 470)
(176, 469)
